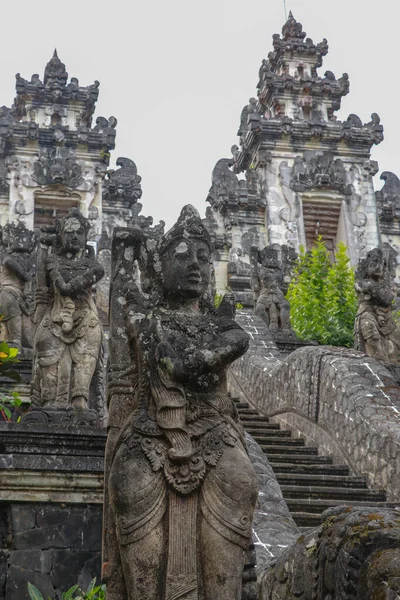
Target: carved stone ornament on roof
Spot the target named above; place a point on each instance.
(315, 171)
(249, 117)
(4, 183)
(55, 74)
(225, 184)
(388, 198)
(124, 184)
(58, 166)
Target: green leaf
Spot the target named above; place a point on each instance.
(7, 412)
(34, 592)
(69, 593)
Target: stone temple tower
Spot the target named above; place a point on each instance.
(306, 173)
(51, 158)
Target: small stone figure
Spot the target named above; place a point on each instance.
(180, 488)
(269, 286)
(375, 330)
(17, 269)
(68, 338)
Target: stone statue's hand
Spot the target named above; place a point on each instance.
(169, 360)
(227, 308)
(50, 263)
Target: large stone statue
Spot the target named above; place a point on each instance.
(17, 269)
(68, 337)
(180, 488)
(375, 330)
(269, 286)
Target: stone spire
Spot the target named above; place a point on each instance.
(55, 74)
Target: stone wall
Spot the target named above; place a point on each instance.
(51, 545)
(339, 399)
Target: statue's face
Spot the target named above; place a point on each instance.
(73, 236)
(19, 242)
(375, 269)
(186, 269)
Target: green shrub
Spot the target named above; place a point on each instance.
(74, 593)
(323, 301)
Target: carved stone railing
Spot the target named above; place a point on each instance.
(343, 401)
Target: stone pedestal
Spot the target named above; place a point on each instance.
(51, 494)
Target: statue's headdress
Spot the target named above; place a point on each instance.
(73, 213)
(19, 231)
(188, 226)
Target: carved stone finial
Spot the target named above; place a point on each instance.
(55, 74)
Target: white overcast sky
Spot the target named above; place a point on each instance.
(176, 74)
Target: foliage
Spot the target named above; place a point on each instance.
(8, 358)
(323, 301)
(94, 592)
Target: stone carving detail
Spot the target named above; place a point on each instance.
(269, 282)
(375, 330)
(176, 456)
(68, 339)
(58, 165)
(123, 184)
(354, 554)
(388, 203)
(16, 273)
(319, 170)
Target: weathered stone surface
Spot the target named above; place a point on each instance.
(182, 445)
(68, 339)
(53, 546)
(354, 554)
(18, 261)
(375, 329)
(269, 284)
(344, 402)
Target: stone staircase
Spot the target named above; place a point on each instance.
(310, 483)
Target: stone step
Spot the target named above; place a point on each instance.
(312, 506)
(321, 480)
(313, 469)
(281, 441)
(240, 405)
(270, 450)
(317, 493)
(262, 428)
(254, 419)
(306, 520)
(276, 433)
(299, 459)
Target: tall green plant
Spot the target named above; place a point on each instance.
(323, 301)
